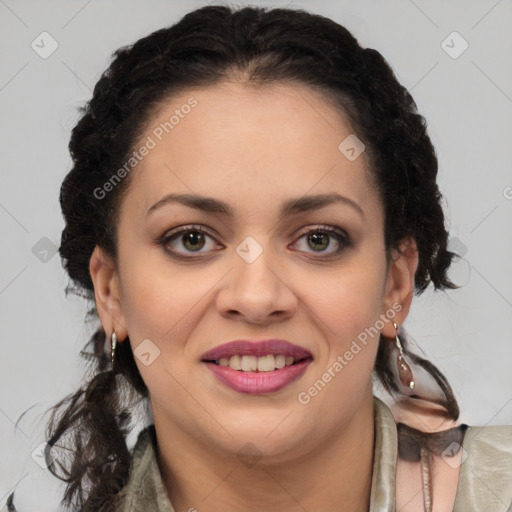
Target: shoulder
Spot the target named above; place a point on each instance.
(489, 442)
(136, 490)
(485, 480)
(145, 489)
(471, 466)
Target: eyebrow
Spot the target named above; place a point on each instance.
(289, 208)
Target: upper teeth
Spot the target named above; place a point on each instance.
(266, 363)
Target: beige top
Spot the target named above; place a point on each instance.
(484, 484)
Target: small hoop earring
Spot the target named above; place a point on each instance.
(114, 345)
(404, 370)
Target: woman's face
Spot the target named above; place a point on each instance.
(256, 273)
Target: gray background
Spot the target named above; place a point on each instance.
(467, 102)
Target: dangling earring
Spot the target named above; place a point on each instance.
(416, 377)
(114, 345)
(405, 381)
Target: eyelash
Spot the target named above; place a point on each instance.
(163, 241)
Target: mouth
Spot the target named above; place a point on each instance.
(257, 368)
(250, 363)
(251, 356)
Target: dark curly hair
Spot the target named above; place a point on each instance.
(205, 47)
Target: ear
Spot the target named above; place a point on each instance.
(399, 289)
(107, 293)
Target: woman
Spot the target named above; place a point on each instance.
(252, 206)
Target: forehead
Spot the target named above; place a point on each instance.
(244, 143)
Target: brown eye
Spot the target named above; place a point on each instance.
(320, 239)
(193, 240)
(188, 240)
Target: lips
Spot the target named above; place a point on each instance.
(258, 349)
(257, 367)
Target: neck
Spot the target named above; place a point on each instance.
(335, 476)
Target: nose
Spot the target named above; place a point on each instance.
(257, 292)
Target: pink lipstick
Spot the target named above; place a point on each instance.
(257, 367)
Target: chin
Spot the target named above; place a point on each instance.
(269, 441)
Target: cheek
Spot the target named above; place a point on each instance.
(159, 299)
(352, 349)
(350, 306)
(342, 376)
(350, 299)
(163, 307)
